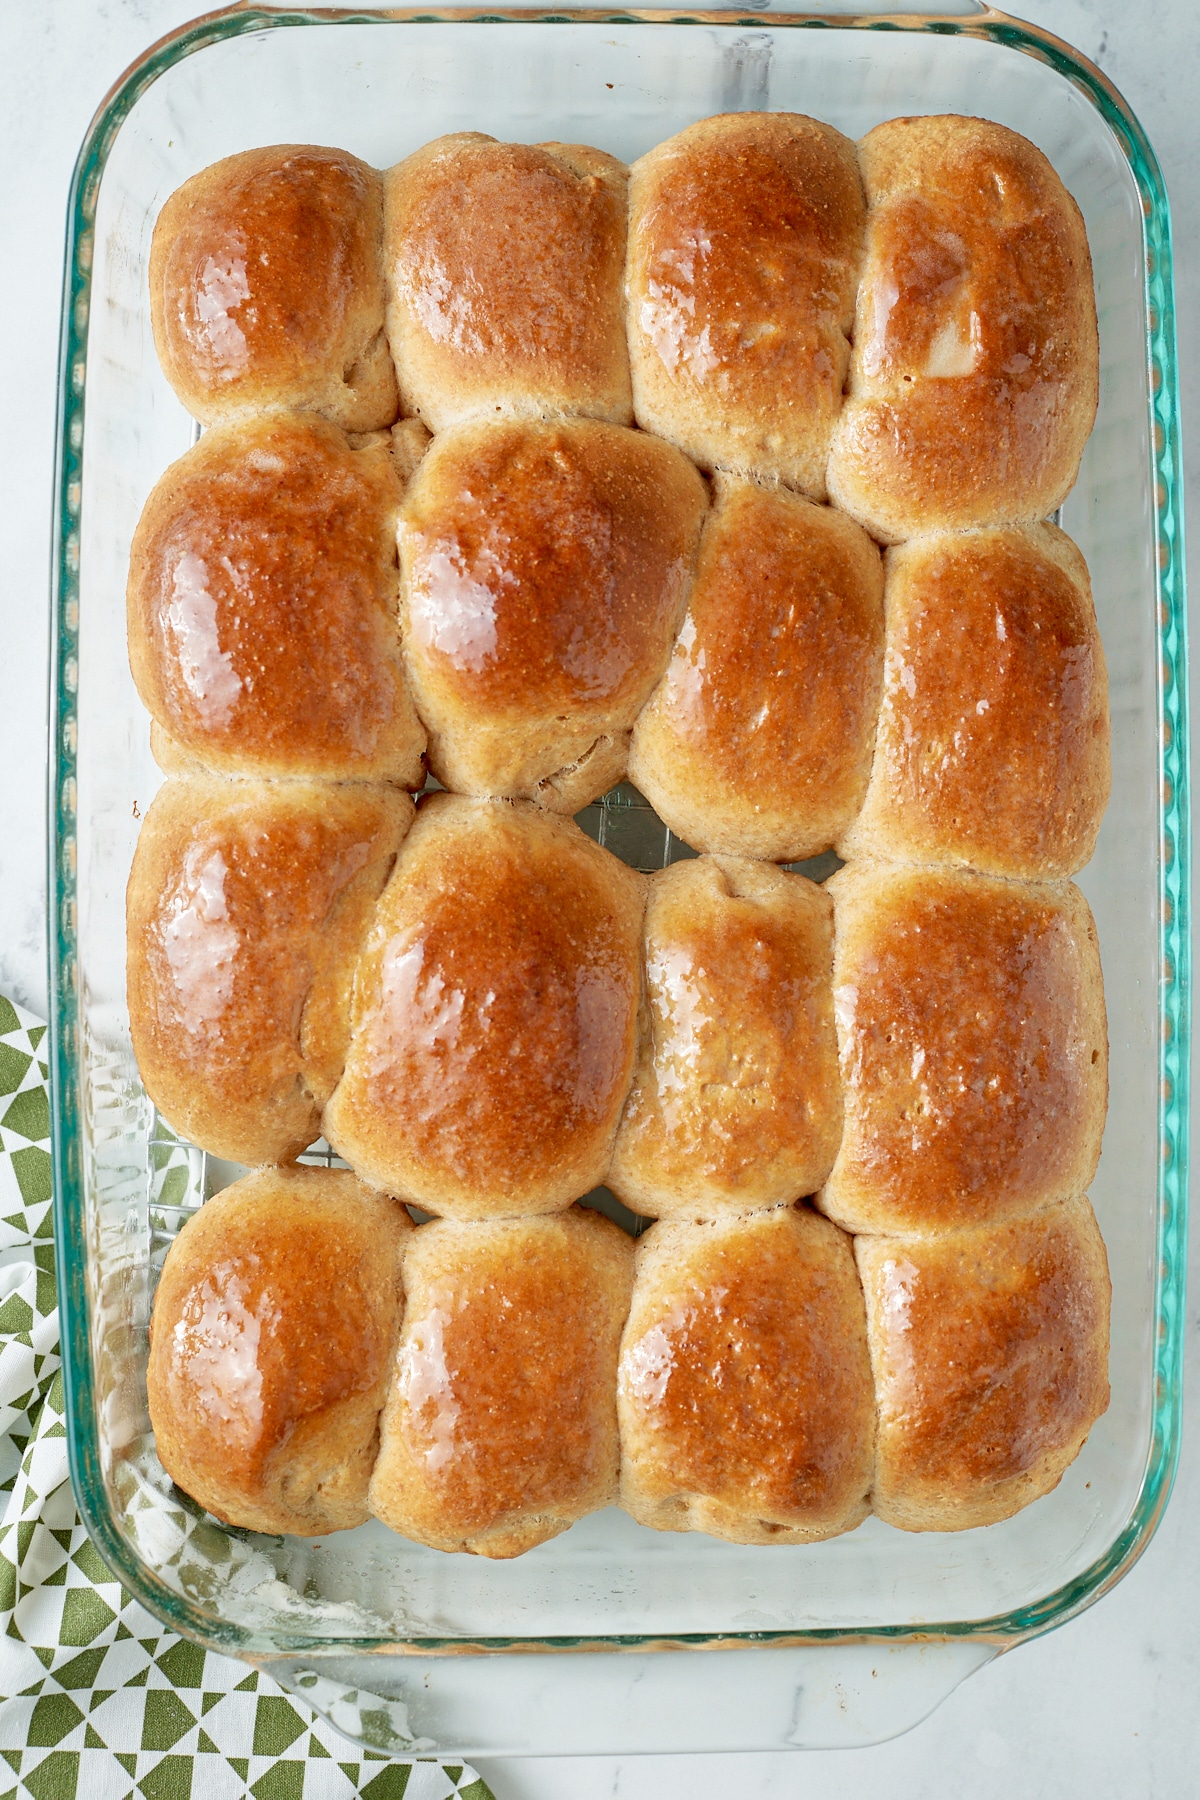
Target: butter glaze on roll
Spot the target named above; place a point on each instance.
(745, 239)
(495, 1015)
(744, 1396)
(247, 906)
(993, 741)
(735, 1100)
(973, 1047)
(975, 373)
(263, 593)
(500, 1428)
(504, 268)
(990, 1354)
(545, 570)
(758, 740)
(266, 288)
(271, 1345)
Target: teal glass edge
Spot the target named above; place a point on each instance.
(1006, 1629)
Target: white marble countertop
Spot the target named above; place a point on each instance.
(1107, 1705)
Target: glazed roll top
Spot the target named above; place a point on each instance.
(545, 573)
(745, 1396)
(262, 603)
(271, 1346)
(990, 1352)
(735, 1100)
(247, 906)
(993, 741)
(266, 288)
(501, 1425)
(745, 239)
(504, 268)
(973, 1047)
(496, 1014)
(758, 740)
(975, 373)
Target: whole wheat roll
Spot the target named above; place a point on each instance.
(262, 607)
(973, 1048)
(266, 288)
(974, 377)
(745, 1398)
(545, 569)
(989, 1346)
(992, 750)
(271, 1347)
(500, 1428)
(504, 265)
(745, 238)
(495, 1014)
(758, 739)
(247, 906)
(735, 1101)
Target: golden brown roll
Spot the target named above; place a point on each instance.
(745, 239)
(990, 1353)
(495, 1014)
(504, 268)
(735, 1100)
(757, 741)
(975, 373)
(247, 906)
(271, 1346)
(973, 1046)
(744, 1396)
(500, 1428)
(544, 576)
(266, 288)
(992, 748)
(262, 601)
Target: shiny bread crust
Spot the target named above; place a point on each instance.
(266, 288)
(247, 907)
(990, 1354)
(745, 1395)
(504, 266)
(500, 1428)
(271, 1347)
(974, 379)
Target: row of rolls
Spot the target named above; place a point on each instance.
(906, 325)
(573, 605)
(479, 1386)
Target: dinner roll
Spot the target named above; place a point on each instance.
(975, 373)
(735, 1100)
(504, 266)
(263, 589)
(744, 1396)
(266, 288)
(745, 239)
(990, 1353)
(495, 1014)
(757, 741)
(544, 576)
(973, 1045)
(271, 1345)
(992, 748)
(247, 905)
(500, 1428)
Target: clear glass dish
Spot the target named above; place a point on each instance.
(845, 1642)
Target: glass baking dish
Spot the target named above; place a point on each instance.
(844, 1642)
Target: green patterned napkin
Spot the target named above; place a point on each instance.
(97, 1700)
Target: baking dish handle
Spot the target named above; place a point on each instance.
(767, 1697)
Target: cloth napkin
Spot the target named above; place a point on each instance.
(97, 1700)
